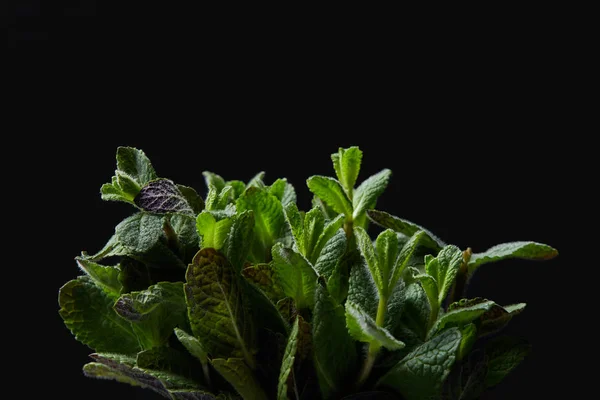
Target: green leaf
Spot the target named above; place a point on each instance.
(430, 287)
(236, 372)
(192, 197)
(504, 355)
(346, 163)
(212, 179)
(469, 336)
(134, 170)
(216, 306)
(387, 253)
(339, 282)
(364, 328)
(87, 311)
(268, 219)
(463, 313)
(213, 233)
(362, 289)
(257, 181)
(420, 374)
(263, 277)
(405, 227)
(404, 257)
(105, 276)
(330, 229)
(240, 239)
(288, 363)
(238, 188)
(365, 196)
(296, 222)
(295, 275)
(188, 240)
(411, 313)
(444, 268)
(314, 223)
(284, 192)
(154, 312)
(331, 254)
(140, 232)
(523, 250)
(192, 344)
(497, 317)
(101, 371)
(166, 359)
(162, 196)
(111, 249)
(368, 251)
(334, 350)
(330, 191)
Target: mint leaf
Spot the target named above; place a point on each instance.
(268, 219)
(154, 312)
(329, 230)
(469, 336)
(330, 191)
(101, 371)
(295, 275)
(430, 287)
(364, 328)
(498, 317)
(411, 315)
(387, 252)
(140, 232)
(331, 254)
(420, 374)
(504, 355)
(295, 221)
(213, 233)
(284, 191)
(162, 196)
(111, 249)
(216, 307)
(192, 344)
(444, 268)
(257, 181)
(334, 351)
(346, 163)
(264, 277)
(404, 257)
(405, 227)
(463, 313)
(134, 170)
(105, 276)
(368, 251)
(236, 372)
(362, 289)
(87, 311)
(523, 250)
(314, 223)
(240, 239)
(188, 240)
(195, 201)
(287, 364)
(365, 196)
(212, 179)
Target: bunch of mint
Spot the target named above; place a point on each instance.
(239, 294)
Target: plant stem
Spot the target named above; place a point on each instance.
(373, 349)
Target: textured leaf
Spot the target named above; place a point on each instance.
(365, 196)
(430, 287)
(368, 251)
(140, 232)
(362, 327)
(421, 373)
(331, 254)
(405, 257)
(268, 219)
(240, 239)
(388, 249)
(263, 277)
(212, 179)
(284, 192)
(216, 307)
(497, 317)
(213, 233)
(236, 372)
(162, 196)
(444, 268)
(105, 276)
(296, 222)
(195, 201)
(288, 363)
(257, 181)
(412, 324)
(362, 289)
(330, 229)
(504, 355)
(167, 360)
(87, 311)
(405, 227)
(111, 249)
(314, 223)
(334, 351)
(339, 281)
(469, 336)
(101, 371)
(330, 191)
(188, 240)
(463, 313)
(134, 170)
(346, 163)
(523, 250)
(192, 344)
(154, 312)
(295, 275)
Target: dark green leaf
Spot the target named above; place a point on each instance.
(287, 364)
(444, 268)
(362, 327)
(162, 196)
(523, 250)
(314, 223)
(361, 287)
(140, 232)
(192, 197)
(334, 351)
(405, 257)
(497, 317)
(87, 311)
(405, 227)
(330, 191)
(469, 336)
(263, 277)
(236, 372)
(368, 251)
(216, 307)
(504, 355)
(188, 240)
(421, 373)
(331, 254)
(330, 229)
(240, 239)
(154, 312)
(463, 313)
(192, 344)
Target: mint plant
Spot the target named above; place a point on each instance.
(239, 294)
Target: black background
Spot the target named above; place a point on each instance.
(480, 134)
